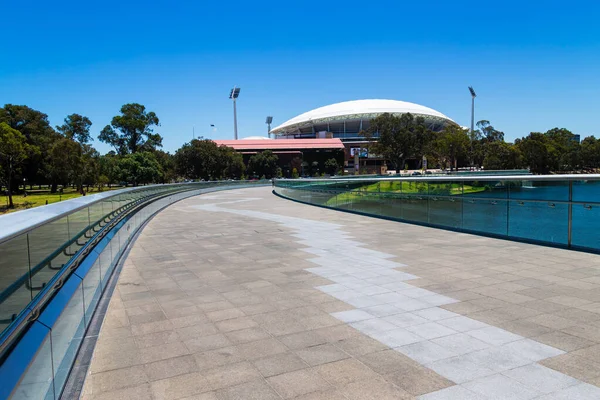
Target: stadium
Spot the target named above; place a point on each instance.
(345, 120)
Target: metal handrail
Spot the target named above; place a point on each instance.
(461, 178)
(45, 214)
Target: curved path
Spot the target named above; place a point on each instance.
(244, 295)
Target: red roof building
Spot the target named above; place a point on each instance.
(281, 145)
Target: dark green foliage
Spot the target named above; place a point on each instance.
(13, 152)
(501, 155)
(76, 127)
(139, 168)
(400, 137)
(331, 166)
(203, 159)
(132, 131)
(263, 163)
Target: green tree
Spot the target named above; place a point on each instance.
(107, 165)
(450, 145)
(64, 163)
(263, 164)
(488, 133)
(34, 125)
(331, 166)
(132, 131)
(590, 153)
(231, 163)
(398, 137)
(198, 159)
(167, 163)
(139, 168)
(563, 150)
(76, 127)
(13, 151)
(534, 149)
(500, 155)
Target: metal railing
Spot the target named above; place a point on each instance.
(558, 210)
(55, 262)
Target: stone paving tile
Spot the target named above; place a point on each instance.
(297, 383)
(236, 298)
(279, 364)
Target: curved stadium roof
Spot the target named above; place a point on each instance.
(357, 110)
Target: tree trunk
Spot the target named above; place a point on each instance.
(10, 199)
(54, 187)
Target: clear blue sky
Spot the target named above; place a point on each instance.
(534, 64)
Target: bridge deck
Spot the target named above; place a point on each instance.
(244, 295)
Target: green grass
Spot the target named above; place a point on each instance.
(410, 187)
(37, 197)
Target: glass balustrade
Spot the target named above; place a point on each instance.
(560, 210)
(54, 271)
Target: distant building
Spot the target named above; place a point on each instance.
(576, 138)
(292, 153)
(345, 120)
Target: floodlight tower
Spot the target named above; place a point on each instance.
(473, 95)
(268, 122)
(234, 94)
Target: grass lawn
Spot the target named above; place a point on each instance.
(36, 198)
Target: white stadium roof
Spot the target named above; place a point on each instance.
(356, 109)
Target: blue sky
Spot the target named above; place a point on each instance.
(534, 64)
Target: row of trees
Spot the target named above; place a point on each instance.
(35, 153)
(406, 137)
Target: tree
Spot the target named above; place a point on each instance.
(449, 145)
(488, 132)
(590, 152)
(139, 168)
(132, 131)
(65, 163)
(107, 167)
(231, 163)
(534, 149)
(167, 163)
(400, 137)
(40, 137)
(331, 166)
(263, 164)
(13, 151)
(198, 159)
(501, 155)
(563, 149)
(76, 127)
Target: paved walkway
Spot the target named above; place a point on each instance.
(243, 295)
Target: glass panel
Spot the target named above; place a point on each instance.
(14, 279)
(391, 205)
(67, 332)
(47, 257)
(586, 191)
(368, 203)
(37, 382)
(545, 221)
(414, 207)
(91, 286)
(445, 211)
(540, 190)
(586, 220)
(485, 215)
